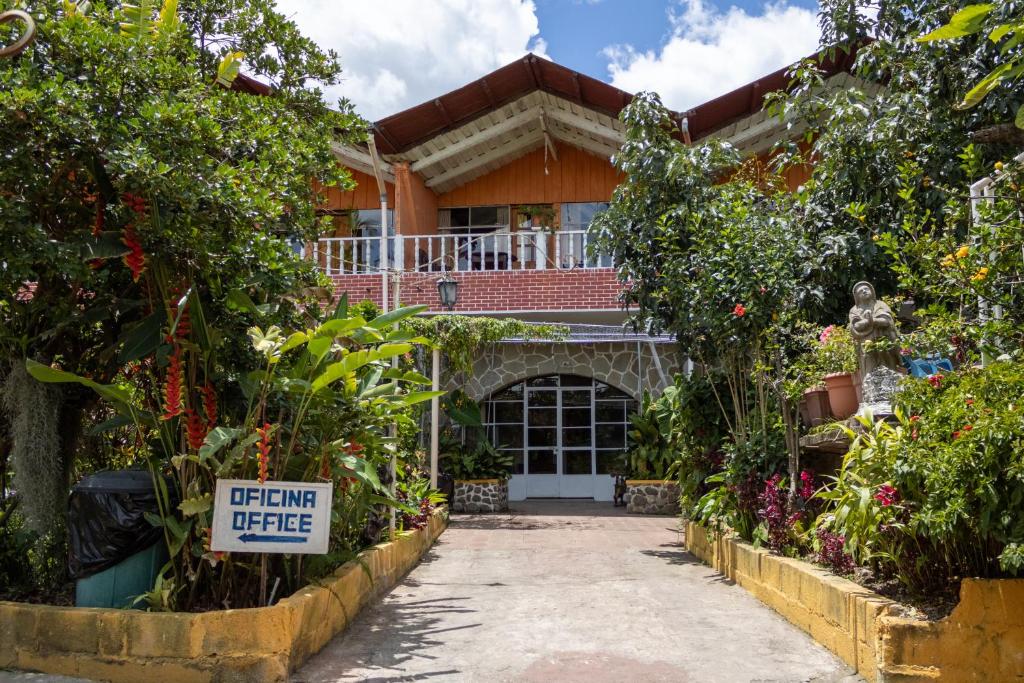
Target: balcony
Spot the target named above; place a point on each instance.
(480, 253)
(499, 273)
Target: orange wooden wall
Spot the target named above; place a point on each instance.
(417, 206)
(364, 196)
(576, 177)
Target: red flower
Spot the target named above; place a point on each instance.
(887, 495)
(135, 259)
(184, 327)
(196, 429)
(210, 404)
(935, 380)
(807, 484)
(739, 310)
(967, 428)
(134, 202)
(355, 448)
(956, 435)
(970, 401)
(263, 451)
(763, 289)
(172, 385)
(101, 205)
(913, 435)
(915, 418)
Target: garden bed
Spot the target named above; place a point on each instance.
(262, 644)
(982, 639)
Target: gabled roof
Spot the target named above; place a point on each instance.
(407, 129)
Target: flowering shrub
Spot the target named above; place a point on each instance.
(831, 552)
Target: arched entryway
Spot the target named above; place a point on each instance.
(565, 433)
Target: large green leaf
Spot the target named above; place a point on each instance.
(44, 373)
(143, 339)
(216, 440)
(965, 22)
(421, 396)
(990, 83)
(395, 316)
(107, 245)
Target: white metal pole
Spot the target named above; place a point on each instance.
(384, 252)
(435, 414)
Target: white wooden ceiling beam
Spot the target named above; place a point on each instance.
(477, 139)
(361, 161)
(586, 125)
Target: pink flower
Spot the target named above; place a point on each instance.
(739, 310)
(826, 333)
(763, 289)
(905, 351)
(887, 495)
(807, 484)
(935, 380)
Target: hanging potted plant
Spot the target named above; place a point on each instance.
(837, 358)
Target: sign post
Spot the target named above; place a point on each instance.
(274, 517)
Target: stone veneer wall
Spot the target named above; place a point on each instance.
(652, 497)
(620, 364)
(481, 495)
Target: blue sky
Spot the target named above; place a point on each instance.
(398, 53)
(578, 31)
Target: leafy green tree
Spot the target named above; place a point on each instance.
(139, 173)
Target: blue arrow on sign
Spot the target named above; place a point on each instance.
(266, 538)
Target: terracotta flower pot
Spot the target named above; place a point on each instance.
(842, 394)
(814, 407)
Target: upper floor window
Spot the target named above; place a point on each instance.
(578, 215)
(473, 219)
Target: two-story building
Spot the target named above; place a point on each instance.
(494, 186)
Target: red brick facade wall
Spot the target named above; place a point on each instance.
(517, 290)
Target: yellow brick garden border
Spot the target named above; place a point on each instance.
(982, 640)
(259, 644)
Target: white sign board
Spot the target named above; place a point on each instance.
(274, 517)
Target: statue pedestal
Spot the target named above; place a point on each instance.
(878, 389)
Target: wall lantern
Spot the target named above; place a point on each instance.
(448, 289)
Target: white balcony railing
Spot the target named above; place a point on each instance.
(491, 252)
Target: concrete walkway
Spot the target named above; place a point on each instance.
(568, 591)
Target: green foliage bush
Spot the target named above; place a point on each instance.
(467, 453)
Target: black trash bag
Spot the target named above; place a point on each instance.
(107, 522)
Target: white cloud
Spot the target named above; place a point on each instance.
(710, 52)
(398, 53)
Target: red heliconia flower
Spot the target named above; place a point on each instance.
(263, 451)
(325, 469)
(184, 327)
(210, 404)
(196, 429)
(173, 399)
(135, 259)
(355, 448)
(134, 202)
(101, 206)
(887, 495)
(739, 310)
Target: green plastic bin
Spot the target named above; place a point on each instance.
(119, 585)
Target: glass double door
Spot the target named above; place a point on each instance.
(559, 443)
